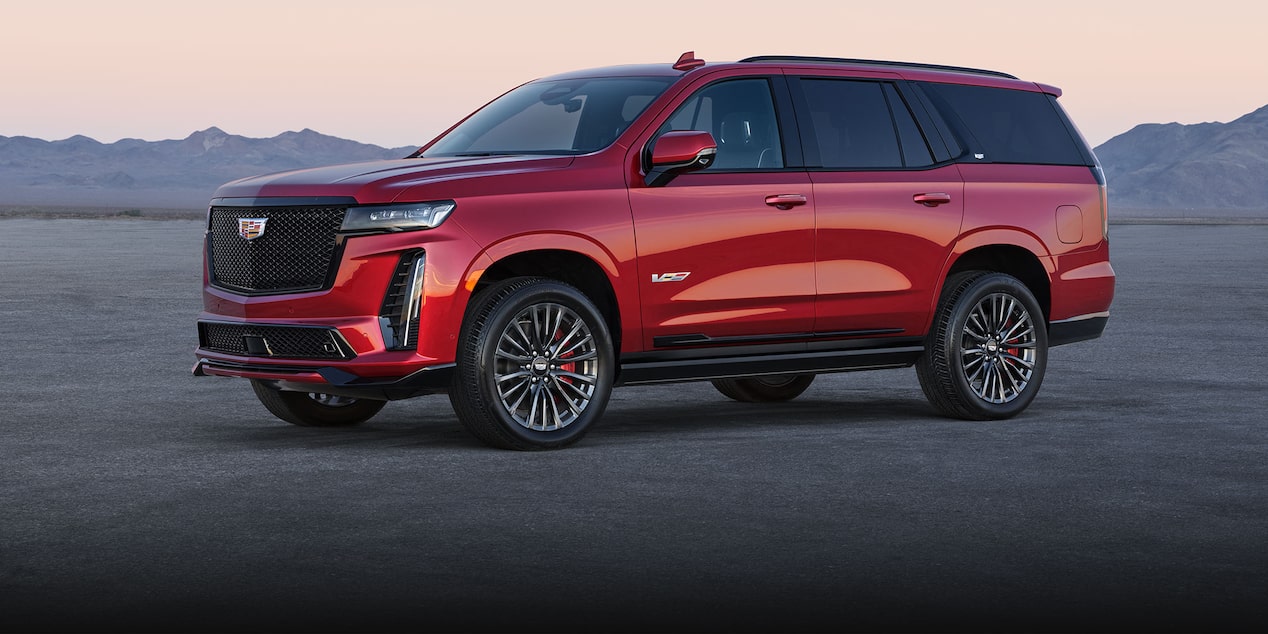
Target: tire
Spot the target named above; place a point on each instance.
(312, 409)
(986, 353)
(535, 365)
(765, 389)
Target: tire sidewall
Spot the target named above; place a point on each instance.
(498, 320)
(954, 345)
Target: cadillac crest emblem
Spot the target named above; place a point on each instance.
(251, 228)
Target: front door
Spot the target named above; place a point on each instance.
(726, 254)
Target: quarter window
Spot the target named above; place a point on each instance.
(1010, 126)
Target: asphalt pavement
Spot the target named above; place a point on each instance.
(1133, 494)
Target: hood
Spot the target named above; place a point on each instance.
(382, 181)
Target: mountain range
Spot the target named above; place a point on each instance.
(1202, 166)
(175, 173)
(1153, 169)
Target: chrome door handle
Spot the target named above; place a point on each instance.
(932, 199)
(785, 201)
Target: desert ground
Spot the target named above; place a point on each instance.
(1132, 494)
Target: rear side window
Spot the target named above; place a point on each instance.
(1009, 126)
(862, 125)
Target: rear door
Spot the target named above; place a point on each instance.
(886, 210)
(720, 259)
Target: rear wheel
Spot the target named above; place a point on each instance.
(765, 389)
(988, 348)
(313, 409)
(535, 365)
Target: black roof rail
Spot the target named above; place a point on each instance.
(875, 62)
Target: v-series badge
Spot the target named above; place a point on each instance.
(670, 277)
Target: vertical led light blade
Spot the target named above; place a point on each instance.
(415, 286)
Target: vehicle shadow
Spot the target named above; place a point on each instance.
(429, 422)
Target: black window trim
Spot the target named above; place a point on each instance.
(928, 122)
(957, 129)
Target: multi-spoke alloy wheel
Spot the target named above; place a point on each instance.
(535, 365)
(988, 348)
(546, 367)
(997, 351)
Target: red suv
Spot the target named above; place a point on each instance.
(751, 223)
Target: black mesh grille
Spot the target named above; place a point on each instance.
(293, 253)
(292, 342)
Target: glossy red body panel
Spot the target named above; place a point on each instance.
(681, 147)
(751, 266)
(879, 252)
(860, 254)
(1017, 205)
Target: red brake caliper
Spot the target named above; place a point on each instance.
(566, 367)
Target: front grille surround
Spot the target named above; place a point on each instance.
(274, 341)
(296, 252)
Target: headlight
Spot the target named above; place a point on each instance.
(403, 217)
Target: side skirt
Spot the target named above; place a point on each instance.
(802, 358)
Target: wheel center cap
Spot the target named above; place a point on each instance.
(992, 346)
(540, 365)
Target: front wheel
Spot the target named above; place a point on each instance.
(311, 409)
(987, 350)
(535, 365)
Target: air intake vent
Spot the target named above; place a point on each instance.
(288, 342)
(401, 304)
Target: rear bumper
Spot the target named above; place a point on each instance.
(332, 380)
(1076, 329)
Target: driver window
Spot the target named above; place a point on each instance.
(740, 115)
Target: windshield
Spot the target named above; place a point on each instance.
(570, 116)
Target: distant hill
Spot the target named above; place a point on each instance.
(176, 173)
(1204, 166)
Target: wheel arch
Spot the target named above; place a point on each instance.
(591, 273)
(1017, 254)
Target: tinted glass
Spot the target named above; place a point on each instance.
(1011, 126)
(740, 115)
(553, 117)
(915, 149)
(851, 124)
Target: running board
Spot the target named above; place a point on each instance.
(641, 372)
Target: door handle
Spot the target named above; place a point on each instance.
(932, 199)
(785, 201)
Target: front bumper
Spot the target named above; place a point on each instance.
(332, 380)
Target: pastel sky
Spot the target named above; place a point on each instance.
(398, 72)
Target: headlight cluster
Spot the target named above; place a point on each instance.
(402, 217)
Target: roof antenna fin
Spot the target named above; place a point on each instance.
(688, 61)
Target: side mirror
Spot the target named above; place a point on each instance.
(678, 153)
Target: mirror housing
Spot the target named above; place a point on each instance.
(678, 153)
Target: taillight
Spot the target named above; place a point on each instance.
(1099, 174)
